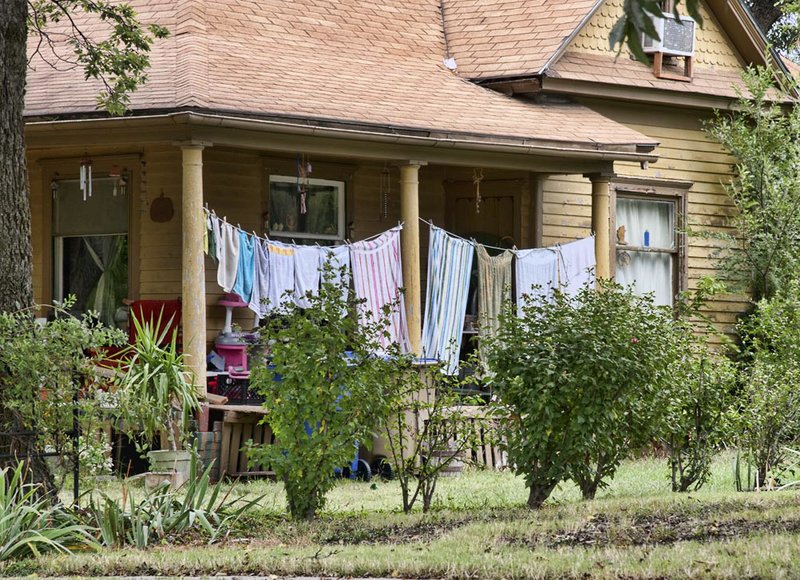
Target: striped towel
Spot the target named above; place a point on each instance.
(449, 269)
(537, 274)
(377, 279)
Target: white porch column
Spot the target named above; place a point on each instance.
(601, 222)
(409, 241)
(194, 277)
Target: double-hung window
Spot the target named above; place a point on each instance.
(648, 245)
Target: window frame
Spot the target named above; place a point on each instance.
(655, 190)
(341, 223)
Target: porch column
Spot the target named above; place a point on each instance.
(601, 222)
(194, 277)
(409, 241)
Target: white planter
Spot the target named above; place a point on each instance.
(177, 462)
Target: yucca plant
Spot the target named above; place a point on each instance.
(154, 395)
(165, 512)
(31, 525)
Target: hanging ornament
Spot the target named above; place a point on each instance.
(304, 169)
(54, 185)
(477, 177)
(386, 185)
(86, 178)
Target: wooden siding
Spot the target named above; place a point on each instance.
(712, 46)
(686, 154)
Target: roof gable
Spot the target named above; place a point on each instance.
(506, 38)
(588, 57)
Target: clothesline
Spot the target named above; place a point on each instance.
(239, 228)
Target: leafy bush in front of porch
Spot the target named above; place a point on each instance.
(582, 381)
(323, 392)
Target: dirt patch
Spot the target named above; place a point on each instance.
(653, 529)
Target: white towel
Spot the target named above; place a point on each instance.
(306, 274)
(260, 279)
(576, 265)
(377, 279)
(228, 256)
(537, 274)
(339, 274)
(281, 275)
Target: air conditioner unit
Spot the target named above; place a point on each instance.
(677, 36)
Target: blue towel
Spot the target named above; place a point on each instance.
(245, 272)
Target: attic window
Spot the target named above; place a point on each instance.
(676, 39)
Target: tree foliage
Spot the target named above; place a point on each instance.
(764, 137)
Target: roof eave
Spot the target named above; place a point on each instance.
(633, 151)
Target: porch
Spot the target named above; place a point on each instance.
(190, 161)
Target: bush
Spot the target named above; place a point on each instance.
(698, 413)
(581, 383)
(768, 416)
(430, 427)
(323, 395)
(42, 369)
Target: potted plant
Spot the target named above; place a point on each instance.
(155, 397)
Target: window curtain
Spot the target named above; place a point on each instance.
(646, 272)
(109, 254)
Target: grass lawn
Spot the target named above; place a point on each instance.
(480, 529)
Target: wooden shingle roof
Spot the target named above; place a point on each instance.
(376, 64)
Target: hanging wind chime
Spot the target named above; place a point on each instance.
(477, 177)
(86, 178)
(385, 192)
(120, 180)
(303, 181)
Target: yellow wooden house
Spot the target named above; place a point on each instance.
(405, 108)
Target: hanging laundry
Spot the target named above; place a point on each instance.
(576, 265)
(339, 274)
(281, 275)
(260, 280)
(377, 279)
(207, 225)
(449, 269)
(210, 236)
(244, 273)
(306, 274)
(228, 256)
(494, 290)
(215, 226)
(537, 274)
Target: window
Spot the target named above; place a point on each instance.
(648, 246)
(90, 246)
(310, 209)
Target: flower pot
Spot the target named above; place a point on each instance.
(177, 462)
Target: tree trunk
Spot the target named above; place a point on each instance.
(538, 493)
(765, 12)
(16, 290)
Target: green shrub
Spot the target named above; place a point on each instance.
(698, 413)
(30, 525)
(581, 381)
(430, 427)
(323, 394)
(42, 369)
(768, 416)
